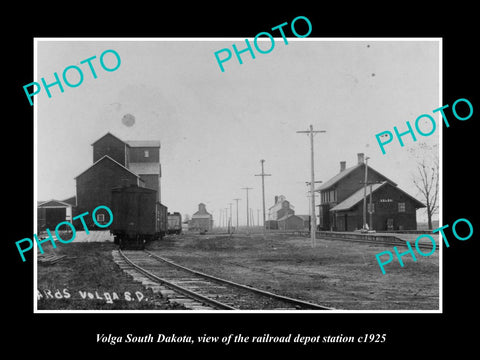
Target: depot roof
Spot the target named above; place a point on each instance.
(345, 173)
(357, 197)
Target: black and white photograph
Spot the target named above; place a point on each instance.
(192, 186)
(285, 185)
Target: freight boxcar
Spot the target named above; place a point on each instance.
(174, 223)
(137, 217)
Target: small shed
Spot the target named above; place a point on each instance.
(290, 222)
(52, 212)
(306, 221)
(271, 224)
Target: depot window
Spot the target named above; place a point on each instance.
(100, 217)
(401, 207)
(146, 153)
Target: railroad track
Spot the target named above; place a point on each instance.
(199, 291)
(394, 241)
(398, 242)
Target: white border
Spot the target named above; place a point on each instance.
(133, 39)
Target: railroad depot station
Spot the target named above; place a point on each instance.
(342, 201)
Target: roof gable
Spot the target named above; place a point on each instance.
(202, 211)
(332, 181)
(304, 217)
(286, 217)
(106, 158)
(108, 134)
(53, 203)
(343, 174)
(357, 197)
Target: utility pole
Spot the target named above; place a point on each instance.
(309, 194)
(226, 218)
(248, 215)
(370, 209)
(313, 222)
(230, 218)
(365, 195)
(236, 200)
(263, 192)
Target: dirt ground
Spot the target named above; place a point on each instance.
(339, 274)
(88, 279)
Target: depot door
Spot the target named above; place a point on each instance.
(53, 216)
(389, 224)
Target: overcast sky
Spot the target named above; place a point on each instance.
(214, 127)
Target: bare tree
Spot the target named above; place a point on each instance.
(426, 178)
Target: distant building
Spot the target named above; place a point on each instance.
(52, 212)
(281, 216)
(201, 221)
(291, 222)
(281, 208)
(306, 221)
(341, 201)
(271, 224)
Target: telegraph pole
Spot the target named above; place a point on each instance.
(230, 218)
(226, 218)
(248, 215)
(220, 219)
(365, 195)
(308, 196)
(313, 222)
(370, 209)
(236, 200)
(263, 190)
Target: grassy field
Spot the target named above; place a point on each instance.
(89, 279)
(339, 274)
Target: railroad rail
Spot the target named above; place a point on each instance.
(379, 240)
(202, 291)
(373, 238)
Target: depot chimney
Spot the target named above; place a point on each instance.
(343, 165)
(361, 157)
